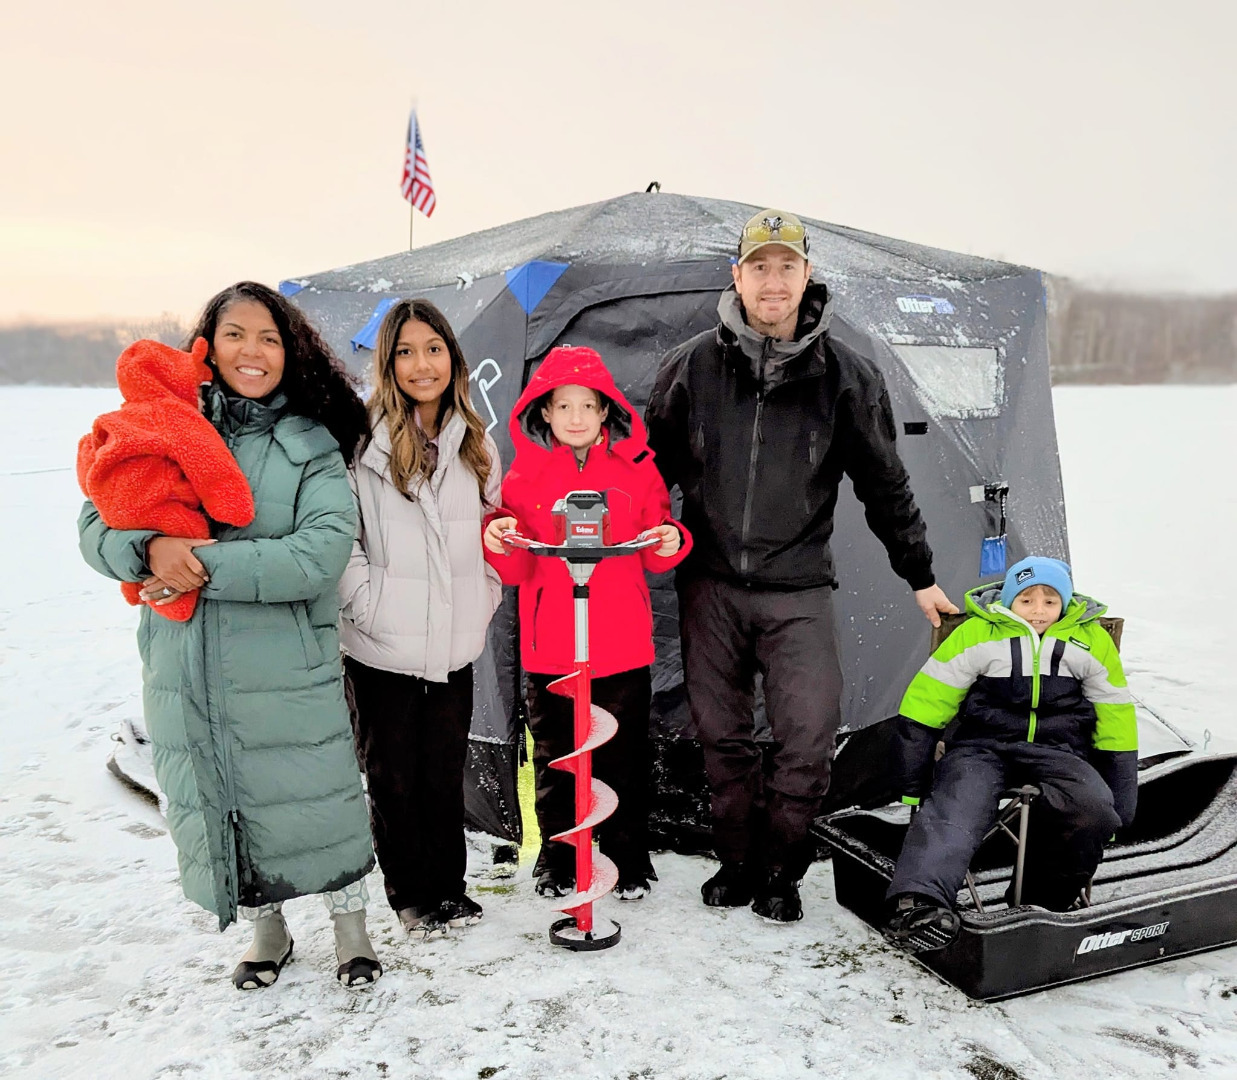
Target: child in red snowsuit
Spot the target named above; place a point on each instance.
(157, 462)
(574, 430)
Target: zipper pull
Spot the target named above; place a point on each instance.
(234, 816)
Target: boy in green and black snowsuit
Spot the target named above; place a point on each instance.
(1037, 686)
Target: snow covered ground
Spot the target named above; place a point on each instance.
(108, 971)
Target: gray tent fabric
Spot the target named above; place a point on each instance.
(962, 343)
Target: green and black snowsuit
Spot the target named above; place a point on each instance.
(1052, 711)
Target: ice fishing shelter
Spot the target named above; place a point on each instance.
(962, 343)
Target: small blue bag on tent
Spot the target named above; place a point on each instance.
(992, 556)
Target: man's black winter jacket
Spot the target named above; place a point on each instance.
(757, 433)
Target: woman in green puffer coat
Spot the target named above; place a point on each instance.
(244, 703)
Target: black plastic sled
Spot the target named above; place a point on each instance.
(1166, 888)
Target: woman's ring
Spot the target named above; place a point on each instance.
(167, 591)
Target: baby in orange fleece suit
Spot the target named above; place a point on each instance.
(157, 462)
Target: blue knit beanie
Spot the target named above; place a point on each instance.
(1038, 570)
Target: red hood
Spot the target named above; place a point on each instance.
(570, 365)
(150, 371)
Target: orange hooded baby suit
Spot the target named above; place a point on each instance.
(157, 462)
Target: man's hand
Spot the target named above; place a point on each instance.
(933, 603)
(670, 540)
(171, 559)
(493, 535)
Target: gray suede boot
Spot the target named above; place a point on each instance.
(358, 963)
(270, 950)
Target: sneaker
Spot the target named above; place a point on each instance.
(459, 911)
(730, 887)
(422, 923)
(778, 899)
(556, 881)
(921, 924)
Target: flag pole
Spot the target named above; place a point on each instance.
(412, 210)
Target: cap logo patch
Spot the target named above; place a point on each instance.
(1023, 574)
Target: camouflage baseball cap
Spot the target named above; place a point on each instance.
(773, 227)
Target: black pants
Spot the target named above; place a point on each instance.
(411, 738)
(729, 633)
(623, 763)
(1067, 827)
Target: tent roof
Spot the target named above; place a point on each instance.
(639, 228)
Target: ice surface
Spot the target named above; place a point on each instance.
(109, 972)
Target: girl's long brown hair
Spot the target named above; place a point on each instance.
(410, 463)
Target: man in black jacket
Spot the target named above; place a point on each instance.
(756, 421)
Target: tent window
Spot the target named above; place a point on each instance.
(954, 382)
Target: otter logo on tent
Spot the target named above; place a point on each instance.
(925, 305)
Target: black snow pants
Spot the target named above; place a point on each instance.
(1067, 827)
(728, 634)
(411, 739)
(623, 763)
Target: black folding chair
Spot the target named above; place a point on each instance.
(1016, 804)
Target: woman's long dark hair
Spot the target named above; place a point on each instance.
(314, 381)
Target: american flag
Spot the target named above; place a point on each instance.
(417, 187)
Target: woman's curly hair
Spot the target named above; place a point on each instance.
(314, 381)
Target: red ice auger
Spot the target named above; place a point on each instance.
(582, 523)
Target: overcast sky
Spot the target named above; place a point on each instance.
(151, 153)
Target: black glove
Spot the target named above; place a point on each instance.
(913, 757)
(1119, 770)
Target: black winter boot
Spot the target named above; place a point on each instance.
(731, 886)
(634, 881)
(422, 923)
(921, 924)
(555, 869)
(460, 911)
(556, 881)
(778, 898)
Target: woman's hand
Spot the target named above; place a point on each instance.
(172, 561)
(493, 536)
(670, 540)
(158, 592)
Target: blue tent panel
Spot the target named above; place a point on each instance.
(529, 283)
(367, 337)
(290, 288)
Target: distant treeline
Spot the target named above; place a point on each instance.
(1093, 337)
(75, 354)
(1115, 337)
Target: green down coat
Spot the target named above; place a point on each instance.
(244, 703)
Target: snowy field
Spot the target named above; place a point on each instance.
(108, 971)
